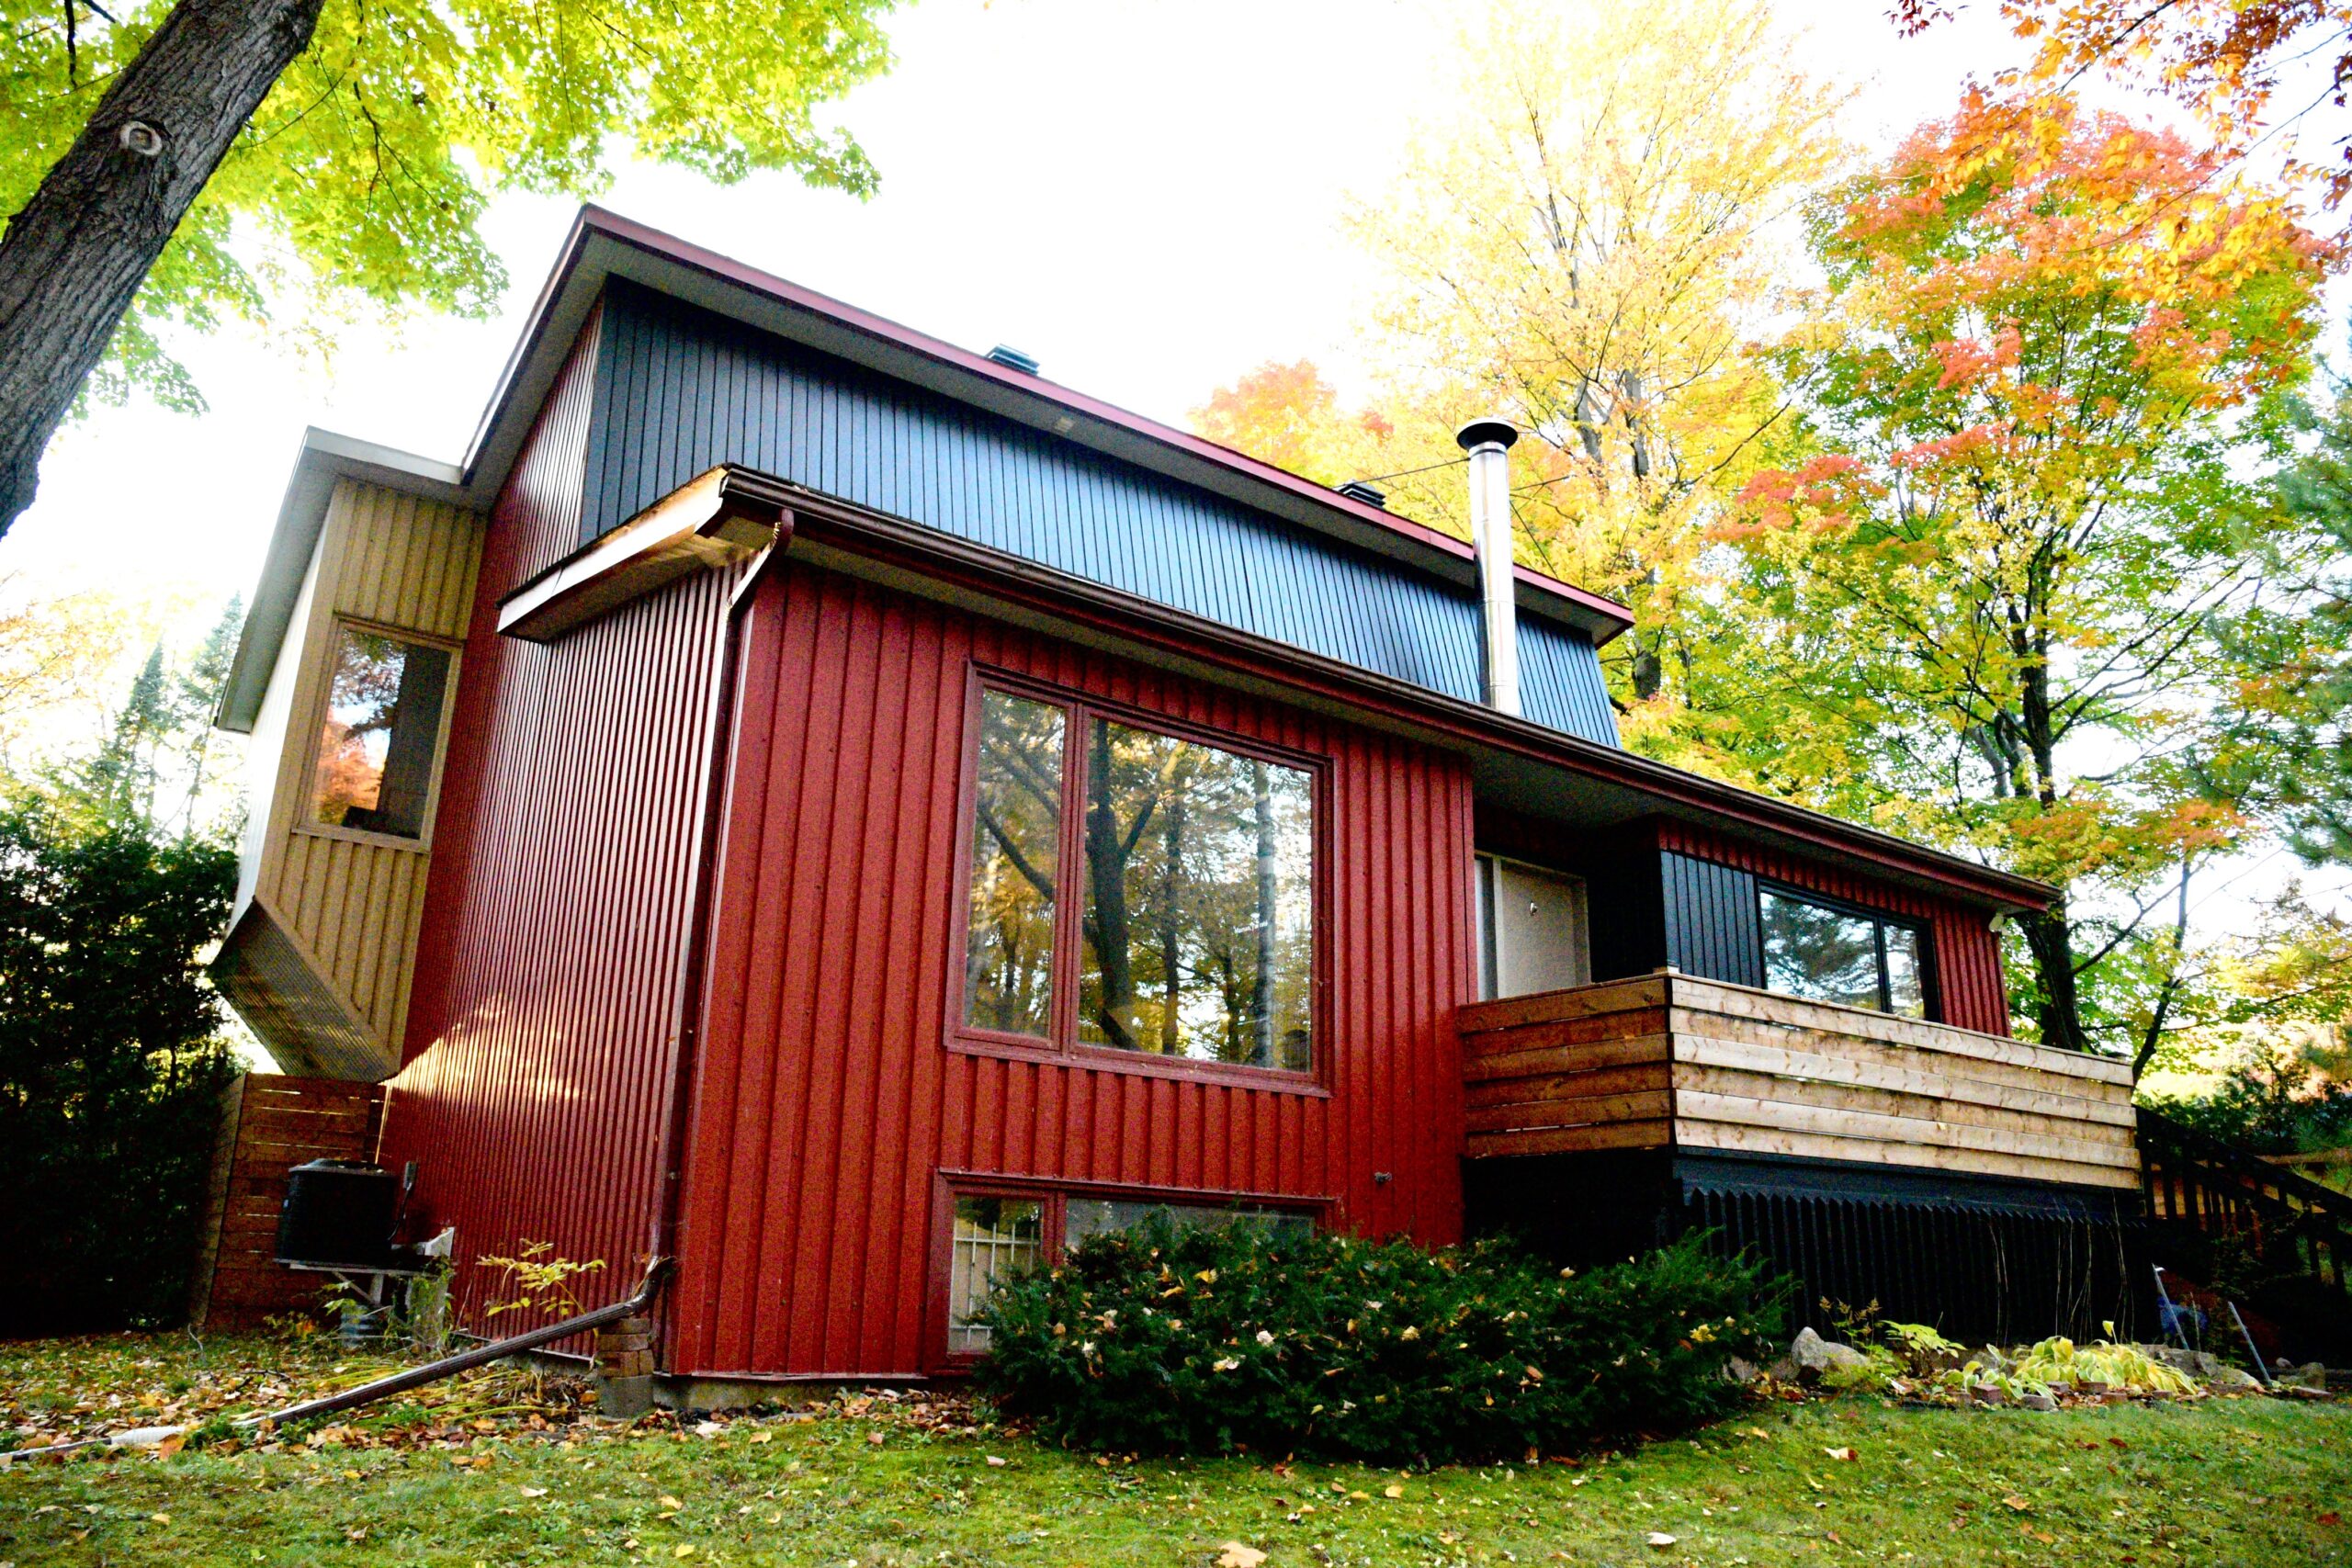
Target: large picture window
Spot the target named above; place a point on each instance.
(1189, 933)
(381, 733)
(1832, 952)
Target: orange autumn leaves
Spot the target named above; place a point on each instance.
(2032, 297)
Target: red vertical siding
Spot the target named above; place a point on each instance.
(827, 1098)
(1967, 955)
(541, 1034)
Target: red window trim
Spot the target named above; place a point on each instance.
(1054, 1193)
(1061, 1044)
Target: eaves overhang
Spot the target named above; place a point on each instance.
(604, 245)
(324, 457)
(832, 532)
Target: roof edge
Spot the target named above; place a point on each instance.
(323, 458)
(1457, 718)
(602, 244)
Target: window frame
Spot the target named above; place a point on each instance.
(1930, 1001)
(1061, 1043)
(305, 797)
(1054, 1193)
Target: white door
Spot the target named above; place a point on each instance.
(1531, 929)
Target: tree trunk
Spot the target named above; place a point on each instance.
(74, 256)
(1109, 925)
(1261, 999)
(1171, 944)
(2051, 938)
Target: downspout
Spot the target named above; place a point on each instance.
(648, 1290)
(1488, 442)
(687, 1009)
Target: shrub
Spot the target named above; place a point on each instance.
(1210, 1341)
(112, 1066)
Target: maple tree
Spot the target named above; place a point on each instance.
(1994, 577)
(2229, 61)
(1290, 416)
(170, 163)
(1584, 240)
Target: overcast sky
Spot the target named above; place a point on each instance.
(1145, 195)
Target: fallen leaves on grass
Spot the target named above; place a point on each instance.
(96, 1387)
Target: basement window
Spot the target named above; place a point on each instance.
(996, 1237)
(1138, 891)
(380, 734)
(1827, 952)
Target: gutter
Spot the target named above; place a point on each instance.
(832, 532)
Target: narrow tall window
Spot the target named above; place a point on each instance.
(382, 727)
(1853, 957)
(1016, 833)
(1199, 931)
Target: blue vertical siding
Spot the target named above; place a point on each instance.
(1712, 925)
(680, 390)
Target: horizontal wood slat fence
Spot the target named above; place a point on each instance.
(1670, 1061)
(270, 1124)
(2297, 1233)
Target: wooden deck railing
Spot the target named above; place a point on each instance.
(2293, 1223)
(1667, 1060)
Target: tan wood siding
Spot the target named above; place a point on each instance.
(1569, 1071)
(351, 902)
(1667, 1060)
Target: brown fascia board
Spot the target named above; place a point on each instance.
(825, 529)
(717, 518)
(323, 458)
(603, 246)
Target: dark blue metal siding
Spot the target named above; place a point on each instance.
(681, 390)
(1712, 921)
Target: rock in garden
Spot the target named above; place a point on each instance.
(2310, 1374)
(1814, 1355)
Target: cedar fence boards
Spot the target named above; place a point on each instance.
(270, 1124)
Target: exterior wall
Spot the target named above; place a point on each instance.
(341, 908)
(1969, 993)
(269, 1126)
(680, 390)
(1666, 892)
(828, 1098)
(541, 1041)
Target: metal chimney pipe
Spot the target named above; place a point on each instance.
(1487, 441)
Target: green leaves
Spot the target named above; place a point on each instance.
(111, 1065)
(1213, 1341)
(361, 179)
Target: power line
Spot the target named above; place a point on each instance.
(1406, 473)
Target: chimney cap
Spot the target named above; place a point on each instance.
(1486, 430)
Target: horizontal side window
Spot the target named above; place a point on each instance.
(1831, 953)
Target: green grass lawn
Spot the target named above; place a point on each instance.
(470, 1480)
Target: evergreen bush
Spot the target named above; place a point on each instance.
(112, 1066)
(1216, 1340)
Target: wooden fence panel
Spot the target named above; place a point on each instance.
(269, 1123)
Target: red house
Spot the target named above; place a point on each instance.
(852, 815)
